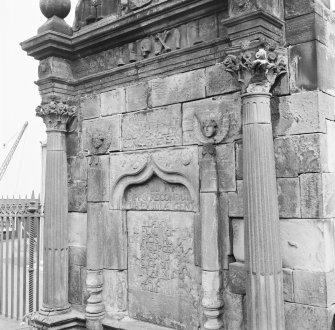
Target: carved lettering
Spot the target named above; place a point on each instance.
(158, 195)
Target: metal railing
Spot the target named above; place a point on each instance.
(20, 258)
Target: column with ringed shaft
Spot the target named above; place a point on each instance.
(257, 72)
(55, 113)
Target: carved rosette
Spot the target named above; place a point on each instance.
(257, 72)
(56, 113)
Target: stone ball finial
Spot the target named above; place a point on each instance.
(59, 8)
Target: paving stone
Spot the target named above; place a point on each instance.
(304, 317)
(113, 102)
(289, 197)
(152, 128)
(178, 88)
(137, 97)
(307, 244)
(224, 110)
(98, 179)
(236, 201)
(90, 106)
(314, 288)
(219, 81)
(298, 154)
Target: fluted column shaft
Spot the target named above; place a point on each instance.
(55, 279)
(262, 235)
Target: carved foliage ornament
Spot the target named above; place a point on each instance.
(56, 113)
(256, 72)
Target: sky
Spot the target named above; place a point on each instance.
(19, 96)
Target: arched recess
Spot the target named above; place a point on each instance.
(142, 175)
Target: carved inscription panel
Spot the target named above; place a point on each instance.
(153, 128)
(163, 280)
(158, 195)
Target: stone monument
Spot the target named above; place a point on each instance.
(190, 167)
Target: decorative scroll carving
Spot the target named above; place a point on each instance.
(56, 113)
(257, 72)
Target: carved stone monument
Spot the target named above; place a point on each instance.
(199, 186)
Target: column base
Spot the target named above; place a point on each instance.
(54, 311)
(72, 320)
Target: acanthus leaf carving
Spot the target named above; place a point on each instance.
(56, 113)
(257, 72)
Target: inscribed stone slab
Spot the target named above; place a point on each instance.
(153, 128)
(163, 279)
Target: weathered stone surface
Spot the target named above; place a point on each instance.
(314, 288)
(311, 195)
(115, 251)
(238, 239)
(115, 292)
(288, 197)
(225, 156)
(236, 201)
(225, 111)
(233, 311)
(288, 288)
(152, 128)
(113, 102)
(163, 284)
(77, 255)
(239, 160)
(210, 231)
(330, 146)
(237, 278)
(219, 81)
(312, 248)
(77, 168)
(157, 162)
(301, 7)
(75, 285)
(102, 135)
(178, 88)
(224, 231)
(304, 317)
(98, 179)
(90, 106)
(137, 97)
(77, 228)
(328, 187)
(298, 154)
(298, 114)
(77, 196)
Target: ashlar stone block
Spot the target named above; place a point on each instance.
(152, 128)
(137, 97)
(314, 288)
(288, 286)
(236, 201)
(298, 154)
(77, 228)
(77, 196)
(233, 311)
(98, 179)
(225, 157)
(330, 145)
(224, 111)
(90, 106)
(302, 7)
(102, 135)
(307, 244)
(288, 197)
(224, 229)
(239, 160)
(237, 278)
(113, 102)
(306, 317)
(75, 285)
(178, 88)
(238, 239)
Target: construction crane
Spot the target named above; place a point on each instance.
(11, 152)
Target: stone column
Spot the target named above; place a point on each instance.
(265, 306)
(55, 114)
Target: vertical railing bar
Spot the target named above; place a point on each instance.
(1, 263)
(24, 276)
(38, 263)
(12, 275)
(31, 264)
(18, 284)
(7, 270)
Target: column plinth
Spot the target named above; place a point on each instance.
(55, 115)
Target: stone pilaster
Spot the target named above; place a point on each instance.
(257, 73)
(212, 301)
(55, 114)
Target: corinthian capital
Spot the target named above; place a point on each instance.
(256, 72)
(56, 113)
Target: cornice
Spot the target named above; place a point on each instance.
(109, 32)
